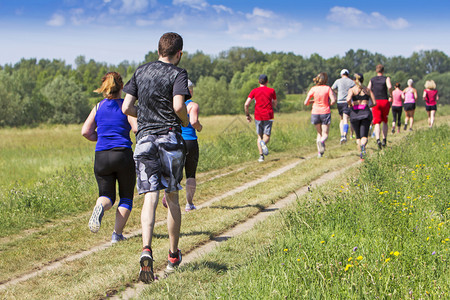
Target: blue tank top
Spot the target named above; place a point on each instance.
(113, 129)
(188, 132)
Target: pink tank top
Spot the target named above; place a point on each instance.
(397, 97)
(430, 97)
(321, 105)
(409, 96)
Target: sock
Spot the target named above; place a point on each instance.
(173, 255)
(147, 248)
(345, 129)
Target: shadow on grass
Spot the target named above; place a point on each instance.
(191, 233)
(259, 206)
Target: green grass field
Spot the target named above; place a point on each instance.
(379, 231)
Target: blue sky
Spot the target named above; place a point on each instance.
(116, 30)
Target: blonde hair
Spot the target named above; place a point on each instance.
(111, 85)
(410, 82)
(359, 79)
(321, 79)
(430, 85)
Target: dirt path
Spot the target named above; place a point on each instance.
(241, 228)
(57, 264)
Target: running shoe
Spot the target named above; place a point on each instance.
(96, 218)
(393, 130)
(343, 140)
(384, 143)
(319, 155)
(261, 158)
(146, 262)
(410, 129)
(406, 125)
(173, 262)
(321, 147)
(264, 148)
(379, 144)
(190, 207)
(115, 238)
(164, 202)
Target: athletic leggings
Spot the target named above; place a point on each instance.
(361, 127)
(397, 114)
(113, 165)
(190, 166)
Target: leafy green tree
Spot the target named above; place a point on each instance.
(214, 97)
(68, 103)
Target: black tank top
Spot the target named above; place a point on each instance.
(379, 87)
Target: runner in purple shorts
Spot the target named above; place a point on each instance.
(161, 88)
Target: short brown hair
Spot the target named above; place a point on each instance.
(321, 79)
(379, 68)
(169, 44)
(112, 83)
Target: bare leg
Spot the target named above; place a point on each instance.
(260, 138)
(173, 220)
(191, 185)
(429, 118)
(385, 130)
(266, 138)
(341, 125)
(411, 119)
(148, 217)
(105, 202)
(325, 129)
(432, 114)
(376, 129)
(122, 215)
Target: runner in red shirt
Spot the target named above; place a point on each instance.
(265, 100)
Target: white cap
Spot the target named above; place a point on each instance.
(344, 72)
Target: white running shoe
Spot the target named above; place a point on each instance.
(261, 158)
(264, 148)
(96, 218)
(321, 147)
(189, 207)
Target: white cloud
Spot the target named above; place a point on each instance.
(259, 12)
(352, 17)
(144, 22)
(222, 8)
(196, 4)
(56, 20)
(133, 6)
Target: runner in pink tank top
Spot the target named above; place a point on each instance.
(430, 96)
(410, 104)
(397, 98)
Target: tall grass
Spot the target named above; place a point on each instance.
(382, 234)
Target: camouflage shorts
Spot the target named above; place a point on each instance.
(159, 162)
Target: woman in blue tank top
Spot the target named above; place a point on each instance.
(192, 154)
(110, 128)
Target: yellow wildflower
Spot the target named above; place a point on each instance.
(286, 250)
(359, 257)
(396, 253)
(347, 267)
(350, 259)
(387, 259)
(322, 242)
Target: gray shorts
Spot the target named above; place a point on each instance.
(321, 119)
(159, 162)
(263, 127)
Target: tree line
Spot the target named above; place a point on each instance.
(50, 91)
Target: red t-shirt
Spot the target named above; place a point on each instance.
(263, 102)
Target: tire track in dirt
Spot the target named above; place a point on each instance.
(134, 291)
(59, 263)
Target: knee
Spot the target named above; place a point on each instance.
(127, 203)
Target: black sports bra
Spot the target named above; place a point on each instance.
(360, 97)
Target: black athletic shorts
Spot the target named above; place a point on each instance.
(113, 165)
(430, 107)
(343, 109)
(409, 106)
(190, 166)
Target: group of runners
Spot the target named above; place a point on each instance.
(165, 122)
(362, 107)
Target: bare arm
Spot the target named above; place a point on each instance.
(415, 94)
(89, 127)
(274, 103)
(193, 110)
(369, 86)
(389, 86)
(424, 96)
(246, 105)
(128, 107)
(180, 109)
(133, 123)
(349, 97)
(372, 96)
(332, 97)
(308, 97)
